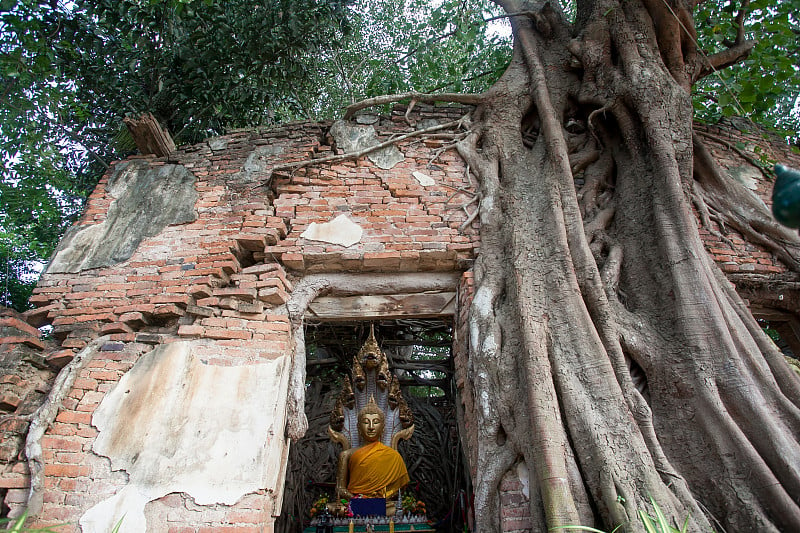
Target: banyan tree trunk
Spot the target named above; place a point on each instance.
(608, 352)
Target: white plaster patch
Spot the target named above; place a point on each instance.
(524, 478)
(354, 138)
(177, 424)
(341, 230)
(423, 179)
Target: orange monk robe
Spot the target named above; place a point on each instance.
(376, 469)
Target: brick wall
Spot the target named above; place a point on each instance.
(222, 281)
(26, 373)
(741, 149)
(515, 503)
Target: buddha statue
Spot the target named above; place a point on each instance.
(368, 420)
(373, 469)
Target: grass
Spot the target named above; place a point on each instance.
(17, 525)
(652, 524)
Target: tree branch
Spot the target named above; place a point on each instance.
(365, 151)
(730, 146)
(740, 21)
(459, 98)
(706, 65)
(76, 138)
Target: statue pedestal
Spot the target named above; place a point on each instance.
(417, 528)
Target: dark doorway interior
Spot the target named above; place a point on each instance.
(420, 354)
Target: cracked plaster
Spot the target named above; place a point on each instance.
(177, 424)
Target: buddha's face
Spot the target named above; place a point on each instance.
(370, 426)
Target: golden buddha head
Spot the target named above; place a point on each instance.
(371, 421)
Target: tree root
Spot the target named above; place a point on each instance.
(705, 216)
(458, 98)
(766, 172)
(43, 417)
(595, 177)
(355, 155)
(741, 209)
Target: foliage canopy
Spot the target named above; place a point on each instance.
(70, 72)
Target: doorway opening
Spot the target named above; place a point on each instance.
(420, 355)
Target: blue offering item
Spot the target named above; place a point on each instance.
(786, 196)
(368, 506)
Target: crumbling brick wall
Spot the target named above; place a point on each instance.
(220, 277)
(747, 153)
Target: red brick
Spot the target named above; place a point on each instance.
(216, 333)
(58, 470)
(40, 316)
(14, 481)
(273, 295)
(293, 261)
(60, 358)
(12, 379)
(74, 343)
(64, 320)
(236, 292)
(261, 269)
(116, 327)
(104, 375)
(63, 430)
(73, 458)
(381, 259)
(181, 299)
(200, 291)
(74, 417)
(40, 300)
(28, 341)
(190, 331)
(9, 402)
(15, 425)
(60, 443)
(168, 310)
(68, 484)
(133, 319)
(14, 322)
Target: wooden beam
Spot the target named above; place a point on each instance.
(150, 136)
(420, 305)
(770, 314)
